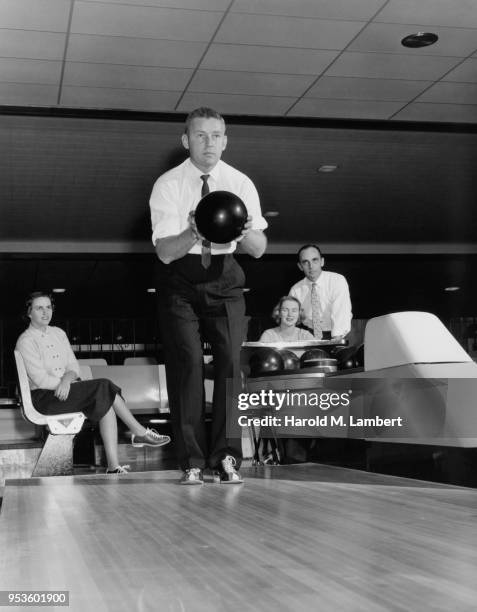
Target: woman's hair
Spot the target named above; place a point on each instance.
(276, 311)
(31, 298)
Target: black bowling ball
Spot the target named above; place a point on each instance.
(264, 361)
(220, 216)
(313, 357)
(359, 356)
(349, 364)
(350, 357)
(291, 361)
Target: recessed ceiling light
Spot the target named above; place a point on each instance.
(271, 213)
(151, 290)
(453, 288)
(420, 39)
(327, 168)
(59, 290)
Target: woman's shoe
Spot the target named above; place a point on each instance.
(121, 469)
(150, 438)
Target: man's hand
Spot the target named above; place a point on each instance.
(193, 226)
(252, 241)
(246, 228)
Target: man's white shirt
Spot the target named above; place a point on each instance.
(334, 302)
(177, 192)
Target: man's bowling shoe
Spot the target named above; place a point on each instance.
(192, 476)
(228, 473)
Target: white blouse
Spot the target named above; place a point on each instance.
(47, 356)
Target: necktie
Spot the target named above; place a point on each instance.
(315, 312)
(206, 255)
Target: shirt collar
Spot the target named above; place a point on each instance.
(319, 280)
(35, 330)
(195, 172)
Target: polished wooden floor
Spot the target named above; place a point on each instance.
(292, 538)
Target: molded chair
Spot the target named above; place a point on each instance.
(56, 457)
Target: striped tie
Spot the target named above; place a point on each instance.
(206, 254)
(315, 312)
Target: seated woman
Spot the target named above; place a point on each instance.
(53, 374)
(287, 313)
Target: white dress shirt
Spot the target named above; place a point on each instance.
(47, 356)
(335, 303)
(177, 192)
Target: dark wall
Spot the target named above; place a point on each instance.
(82, 180)
(116, 286)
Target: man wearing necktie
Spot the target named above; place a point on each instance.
(324, 296)
(200, 294)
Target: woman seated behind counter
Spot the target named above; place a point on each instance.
(287, 313)
(53, 375)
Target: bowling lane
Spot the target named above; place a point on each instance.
(291, 538)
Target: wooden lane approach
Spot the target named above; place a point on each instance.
(302, 537)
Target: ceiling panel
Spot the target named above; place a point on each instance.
(420, 111)
(358, 109)
(267, 59)
(29, 71)
(452, 93)
(455, 13)
(386, 38)
(123, 53)
(47, 15)
(134, 51)
(143, 21)
(39, 95)
(129, 77)
(287, 31)
(238, 104)
(251, 83)
(380, 65)
(37, 45)
(318, 9)
(199, 5)
(132, 99)
(464, 72)
(366, 89)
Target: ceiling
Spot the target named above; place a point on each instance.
(293, 58)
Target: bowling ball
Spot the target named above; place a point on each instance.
(290, 360)
(313, 357)
(345, 357)
(220, 216)
(264, 361)
(359, 356)
(348, 364)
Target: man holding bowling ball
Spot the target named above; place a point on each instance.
(200, 294)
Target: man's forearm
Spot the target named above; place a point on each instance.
(174, 247)
(254, 243)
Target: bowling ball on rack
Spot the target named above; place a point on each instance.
(264, 361)
(313, 357)
(291, 361)
(220, 216)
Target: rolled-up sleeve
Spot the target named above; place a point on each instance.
(341, 314)
(165, 218)
(252, 202)
(37, 373)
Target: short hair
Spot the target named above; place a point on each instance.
(309, 246)
(203, 112)
(276, 311)
(31, 298)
